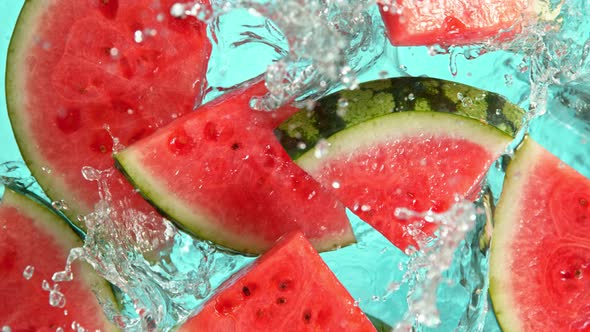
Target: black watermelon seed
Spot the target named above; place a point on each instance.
(307, 316)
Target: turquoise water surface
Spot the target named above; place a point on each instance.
(367, 269)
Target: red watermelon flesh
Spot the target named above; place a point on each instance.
(30, 235)
(540, 258)
(289, 288)
(81, 71)
(221, 174)
(452, 22)
(415, 160)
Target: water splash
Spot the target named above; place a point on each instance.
(317, 45)
(426, 268)
(158, 286)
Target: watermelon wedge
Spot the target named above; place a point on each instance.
(221, 174)
(34, 244)
(81, 73)
(375, 161)
(289, 288)
(452, 22)
(540, 254)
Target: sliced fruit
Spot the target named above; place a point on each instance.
(419, 159)
(81, 73)
(540, 256)
(452, 22)
(34, 244)
(289, 288)
(222, 175)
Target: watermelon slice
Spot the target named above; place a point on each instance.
(375, 161)
(540, 256)
(452, 22)
(82, 72)
(34, 244)
(289, 288)
(222, 175)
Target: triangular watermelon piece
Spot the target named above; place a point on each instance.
(79, 72)
(289, 288)
(221, 174)
(34, 244)
(540, 254)
(403, 143)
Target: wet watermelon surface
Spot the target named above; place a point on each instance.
(34, 244)
(541, 256)
(453, 22)
(221, 174)
(289, 288)
(84, 75)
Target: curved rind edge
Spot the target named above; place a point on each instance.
(372, 99)
(384, 127)
(505, 219)
(14, 91)
(65, 235)
(128, 163)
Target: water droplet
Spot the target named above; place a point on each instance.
(46, 169)
(28, 272)
(59, 329)
(6, 328)
(301, 145)
(411, 97)
(336, 185)
(342, 107)
(56, 298)
(60, 205)
(321, 148)
(365, 208)
(114, 52)
(138, 36)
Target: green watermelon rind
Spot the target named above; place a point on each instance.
(22, 37)
(405, 124)
(505, 227)
(199, 224)
(65, 236)
(348, 108)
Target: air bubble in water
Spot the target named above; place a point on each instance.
(28, 272)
